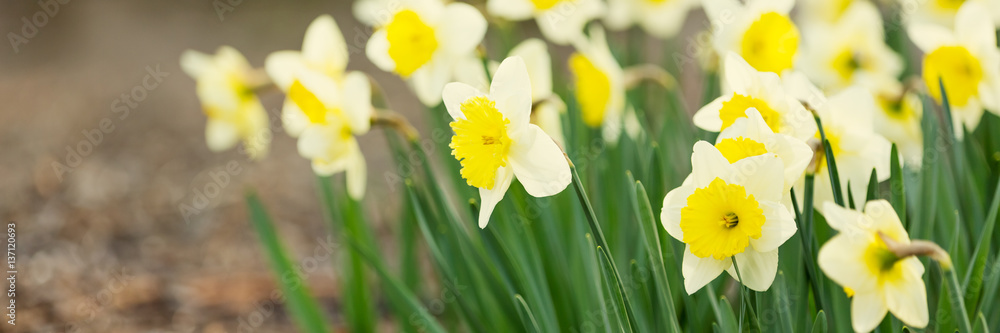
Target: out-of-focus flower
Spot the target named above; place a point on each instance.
(761, 32)
(660, 18)
(899, 122)
(823, 11)
(225, 83)
(848, 119)
(750, 136)
(599, 83)
(561, 21)
(421, 40)
(968, 62)
(494, 141)
(746, 88)
(326, 106)
(858, 259)
(851, 51)
(943, 12)
(725, 210)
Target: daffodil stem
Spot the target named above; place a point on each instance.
(957, 298)
(831, 164)
(744, 298)
(486, 66)
(602, 244)
(811, 275)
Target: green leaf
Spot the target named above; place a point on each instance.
(872, 187)
(819, 325)
(897, 191)
(973, 281)
(727, 320)
(650, 233)
(781, 298)
(980, 326)
(302, 307)
(831, 165)
(850, 197)
(530, 324)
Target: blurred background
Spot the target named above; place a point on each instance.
(100, 155)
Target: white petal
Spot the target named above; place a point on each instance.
(778, 228)
(843, 219)
(974, 25)
(357, 173)
(670, 215)
(490, 198)
(842, 258)
(698, 272)
(455, 94)
(884, 219)
(707, 118)
(377, 51)
(929, 37)
(756, 268)
(357, 106)
(739, 75)
(707, 163)
(282, 67)
(762, 176)
(867, 311)
(221, 135)
(195, 63)
(511, 90)
(293, 119)
(907, 298)
(324, 45)
(428, 81)
(539, 65)
(539, 164)
(313, 142)
(464, 28)
(511, 9)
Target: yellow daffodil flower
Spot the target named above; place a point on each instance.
(849, 124)
(944, 12)
(851, 51)
(899, 122)
(857, 259)
(745, 87)
(421, 40)
(967, 60)
(729, 210)
(760, 31)
(560, 21)
(325, 106)
(494, 142)
(823, 11)
(659, 18)
(599, 83)
(225, 83)
(750, 136)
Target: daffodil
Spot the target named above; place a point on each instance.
(858, 259)
(560, 21)
(729, 210)
(944, 12)
(494, 141)
(899, 122)
(225, 83)
(848, 119)
(325, 106)
(750, 136)
(421, 40)
(966, 60)
(746, 88)
(660, 18)
(599, 83)
(760, 31)
(851, 51)
(824, 11)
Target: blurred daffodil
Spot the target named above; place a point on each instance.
(746, 88)
(325, 106)
(599, 83)
(660, 18)
(225, 86)
(899, 122)
(966, 60)
(858, 259)
(760, 31)
(750, 136)
(851, 51)
(494, 141)
(729, 210)
(823, 11)
(421, 40)
(944, 12)
(560, 21)
(848, 119)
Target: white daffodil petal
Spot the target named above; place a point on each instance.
(324, 45)
(511, 90)
(539, 164)
(195, 63)
(670, 215)
(779, 227)
(429, 81)
(282, 67)
(756, 268)
(465, 28)
(293, 119)
(929, 37)
(220, 135)
(707, 118)
(841, 259)
(758, 174)
(974, 26)
(357, 105)
(867, 311)
(456, 93)
(377, 51)
(907, 297)
(539, 65)
(700, 271)
(511, 9)
(707, 163)
(357, 173)
(490, 198)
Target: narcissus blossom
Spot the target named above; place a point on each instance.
(225, 83)
(494, 142)
(746, 87)
(751, 136)
(729, 210)
(967, 60)
(421, 40)
(760, 31)
(325, 106)
(899, 122)
(858, 259)
(599, 83)
(660, 18)
(944, 12)
(560, 21)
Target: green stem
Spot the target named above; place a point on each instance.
(744, 297)
(957, 300)
(811, 276)
(602, 244)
